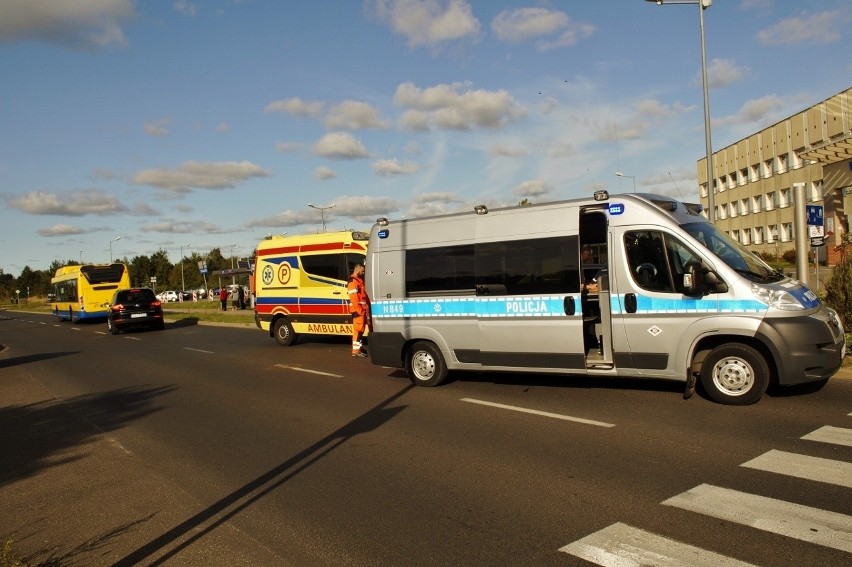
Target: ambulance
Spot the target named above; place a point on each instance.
(633, 285)
(300, 283)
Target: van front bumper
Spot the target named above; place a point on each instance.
(806, 349)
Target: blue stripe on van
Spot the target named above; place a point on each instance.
(548, 306)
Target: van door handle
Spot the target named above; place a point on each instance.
(630, 302)
(569, 305)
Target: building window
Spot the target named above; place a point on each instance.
(743, 176)
(757, 233)
(783, 163)
(767, 168)
(744, 209)
(771, 200)
(772, 235)
(744, 236)
(755, 204)
(733, 209)
(786, 232)
(784, 198)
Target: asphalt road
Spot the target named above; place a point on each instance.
(210, 445)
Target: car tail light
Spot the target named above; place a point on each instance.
(155, 303)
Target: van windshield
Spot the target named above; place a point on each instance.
(733, 253)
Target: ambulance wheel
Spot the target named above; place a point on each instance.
(283, 332)
(425, 365)
(735, 374)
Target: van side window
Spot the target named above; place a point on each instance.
(445, 269)
(528, 267)
(657, 260)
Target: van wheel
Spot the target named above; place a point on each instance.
(735, 374)
(425, 365)
(283, 332)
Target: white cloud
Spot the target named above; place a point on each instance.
(186, 8)
(533, 188)
(522, 24)
(354, 115)
(202, 175)
(323, 173)
(296, 106)
(340, 145)
(503, 150)
(721, 73)
(60, 230)
(81, 24)
(390, 167)
(817, 28)
(158, 129)
(456, 107)
(428, 22)
(71, 203)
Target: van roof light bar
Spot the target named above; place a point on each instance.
(480, 210)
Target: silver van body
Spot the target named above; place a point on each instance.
(657, 292)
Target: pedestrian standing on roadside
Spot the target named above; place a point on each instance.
(359, 308)
(241, 297)
(223, 297)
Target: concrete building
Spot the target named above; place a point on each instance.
(754, 179)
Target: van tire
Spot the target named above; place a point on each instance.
(425, 365)
(283, 332)
(735, 374)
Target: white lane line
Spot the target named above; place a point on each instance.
(133, 338)
(298, 369)
(829, 434)
(803, 466)
(620, 545)
(822, 527)
(198, 350)
(537, 412)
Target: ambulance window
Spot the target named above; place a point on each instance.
(325, 265)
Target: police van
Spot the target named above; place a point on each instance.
(661, 293)
(300, 283)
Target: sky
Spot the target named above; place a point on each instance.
(128, 127)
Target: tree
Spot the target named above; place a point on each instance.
(839, 286)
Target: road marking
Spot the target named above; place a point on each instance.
(822, 527)
(198, 350)
(829, 434)
(133, 338)
(542, 413)
(620, 545)
(803, 466)
(288, 367)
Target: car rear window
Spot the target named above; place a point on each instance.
(135, 296)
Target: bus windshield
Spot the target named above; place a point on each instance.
(733, 253)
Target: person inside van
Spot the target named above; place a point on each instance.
(591, 309)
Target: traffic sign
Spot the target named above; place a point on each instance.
(814, 214)
(817, 241)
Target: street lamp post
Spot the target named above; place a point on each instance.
(233, 277)
(182, 283)
(110, 248)
(702, 5)
(618, 173)
(322, 212)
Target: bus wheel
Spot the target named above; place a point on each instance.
(283, 332)
(735, 374)
(425, 365)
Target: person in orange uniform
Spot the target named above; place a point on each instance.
(359, 308)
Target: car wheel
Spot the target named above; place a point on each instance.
(425, 364)
(735, 374)
(112, 327)
(283, 332)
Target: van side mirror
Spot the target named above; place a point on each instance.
(693, 279)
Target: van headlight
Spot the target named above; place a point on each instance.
(777, 298)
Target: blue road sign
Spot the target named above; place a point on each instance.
(814, 214)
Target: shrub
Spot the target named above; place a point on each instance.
(838, 289)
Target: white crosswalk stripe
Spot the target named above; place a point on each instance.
(813, 525)
(829, 434)
(621, 545)
(803, 466)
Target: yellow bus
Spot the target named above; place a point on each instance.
(83, 292)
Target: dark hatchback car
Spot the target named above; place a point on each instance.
(134, 308)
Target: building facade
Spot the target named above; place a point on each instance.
(754, 179)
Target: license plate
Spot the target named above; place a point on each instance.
(137, 315)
